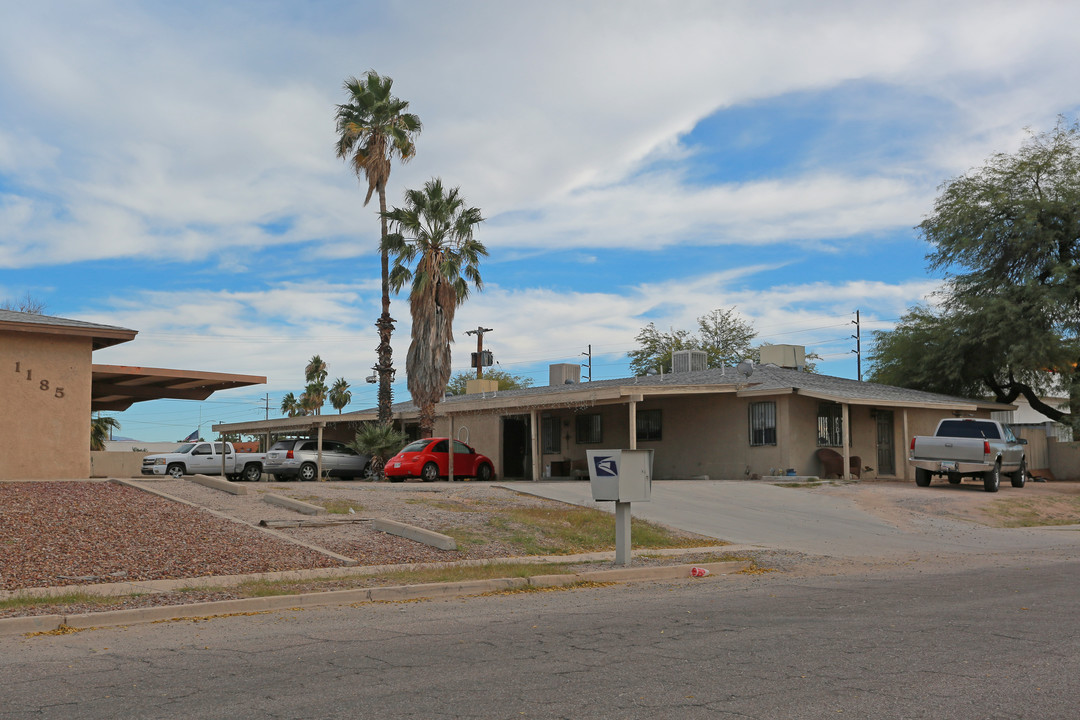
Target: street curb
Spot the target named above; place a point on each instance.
(296, 505)
(219, 484)
(416, 534)
(399, 593)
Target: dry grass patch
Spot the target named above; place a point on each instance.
(1036, 512)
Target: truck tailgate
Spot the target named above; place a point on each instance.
(946, 448)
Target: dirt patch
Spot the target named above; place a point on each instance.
(901, 504)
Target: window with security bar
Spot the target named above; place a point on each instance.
(649, 425)
(763, 423)
(589, 429)
(830, 423)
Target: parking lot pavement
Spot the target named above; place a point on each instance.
(770, 516)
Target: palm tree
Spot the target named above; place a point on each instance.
(314, 397)
(340, 395)
(434, 230)
(289, 405)
(373, 127)
(379, 442)
(315, 371)
(99, 431)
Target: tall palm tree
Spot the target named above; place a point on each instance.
(435, 231)
(289, 405)
(99, 431)
(315, 371)
(340, 395)
(373, 127)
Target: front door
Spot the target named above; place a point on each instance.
(886, 454)
(517, 458)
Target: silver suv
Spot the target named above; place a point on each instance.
(291, 459)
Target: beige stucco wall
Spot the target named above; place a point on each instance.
(45, 423)
(1064, 459)
(106, 464)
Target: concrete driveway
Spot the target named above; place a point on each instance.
(770, 516)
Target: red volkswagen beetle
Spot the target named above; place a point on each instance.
(428, 460)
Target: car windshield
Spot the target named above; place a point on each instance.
(415, 446)
(968, 429)
(283, 445)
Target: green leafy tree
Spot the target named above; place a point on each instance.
(434, 233)
(1008, 237)
(721, 334)
(340, 394)
(373, 127)
(507, 381)
(379, 442)
(100, 431)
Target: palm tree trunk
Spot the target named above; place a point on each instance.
(385, 323)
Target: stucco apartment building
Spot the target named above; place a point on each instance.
(49, 386)
(716, 423)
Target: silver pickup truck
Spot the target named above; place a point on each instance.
(969, 447)
(204, 458)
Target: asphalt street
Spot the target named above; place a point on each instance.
(986, 643)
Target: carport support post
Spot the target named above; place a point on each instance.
(450, 450)
(534, 443)
(622, 533)
(319, 456)
(844, 416)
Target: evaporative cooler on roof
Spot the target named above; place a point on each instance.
(689, 361)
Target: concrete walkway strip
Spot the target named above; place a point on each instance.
(216, 483)
(400, 593)
(296, 505)
(416, 534)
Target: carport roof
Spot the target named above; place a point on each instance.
(118, 387)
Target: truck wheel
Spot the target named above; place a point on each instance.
(955, 478)
(252, 473)
(922, 477)
(308, 472)
(1020, 476)
(992, 479)
(176, 470)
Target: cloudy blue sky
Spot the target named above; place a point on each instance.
(169, 167)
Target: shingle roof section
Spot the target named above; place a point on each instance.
(35, 319)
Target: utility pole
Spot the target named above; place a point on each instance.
(267, 406)
(858, 344)
(589, 364)
(479, 333)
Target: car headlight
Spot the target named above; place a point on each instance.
(159, 461)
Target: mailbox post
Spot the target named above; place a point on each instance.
(623, 476)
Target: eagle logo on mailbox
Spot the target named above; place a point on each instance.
(605, 466)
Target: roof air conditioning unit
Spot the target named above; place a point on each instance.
(689, 361)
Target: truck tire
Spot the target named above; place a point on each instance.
(175, 470)
(992, 479)
(1020, 476)
(308, 472)
(955, 478)
(922, 477)
(252, 472)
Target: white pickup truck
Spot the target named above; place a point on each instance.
(204, 458)
(969, 447)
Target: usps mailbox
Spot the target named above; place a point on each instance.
(624, 476)
(620, 475)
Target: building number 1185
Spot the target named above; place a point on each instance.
(43, 385)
